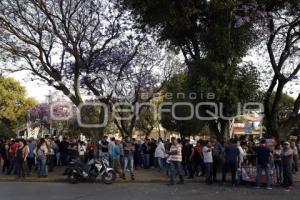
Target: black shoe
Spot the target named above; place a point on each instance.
(180, 182)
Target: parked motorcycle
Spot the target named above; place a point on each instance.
(77, 171)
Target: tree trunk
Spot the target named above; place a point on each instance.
(271, 111)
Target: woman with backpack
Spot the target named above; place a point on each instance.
(41, 154)
(21, 156)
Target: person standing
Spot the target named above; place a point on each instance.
(231, 156)
(295, 157)
(104, 148)
(116, 153)
(63, 150)
(21, 156)
(128, 148)
(217, 151)
(90, 149)
(175, 160)
(12, 156)
(208, 162)
(137, 153)
(277, 153)
(263, 155)
(160, 153)
(51, 154)
(110, 147)
(197, 157)
(81, 151)
(30, 157)
(146, 153)
(287, 164)
(41, 153)
(5, 155)
(187, 151)
(242, 149)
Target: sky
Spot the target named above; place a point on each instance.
(35, 89)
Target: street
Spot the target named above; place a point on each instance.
(138, 191)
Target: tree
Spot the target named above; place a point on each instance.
(136, 94)
(78, 47)
(213, 46)
(280, 25)
(284, 30)
(14, 105)
(178, 85)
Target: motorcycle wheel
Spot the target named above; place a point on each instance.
(73, 178)
(109, 177)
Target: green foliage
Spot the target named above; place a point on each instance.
(196, 24)
(178, 85)
(213, 47)
(6, 132)
(239, 85)
(14, 105)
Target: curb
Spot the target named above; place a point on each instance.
(65, 180)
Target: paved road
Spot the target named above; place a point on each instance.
(138, 191)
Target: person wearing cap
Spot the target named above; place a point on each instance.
(287, 163)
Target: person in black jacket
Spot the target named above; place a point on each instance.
(187, 151)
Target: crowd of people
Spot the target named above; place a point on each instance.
(176, 157)
(278, 160)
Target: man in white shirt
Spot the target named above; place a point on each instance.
(175, 159)
(208, 161)
(160, 154)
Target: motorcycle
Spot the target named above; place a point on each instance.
(77, 171)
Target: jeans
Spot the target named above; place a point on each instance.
(128, 163)
(41, 166)
(232, 166)
(259, 170)
(278, 168)
(175, 168)
(146, 161)
(160, 162)
(209, 173)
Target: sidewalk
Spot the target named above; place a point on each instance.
(141, 176)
